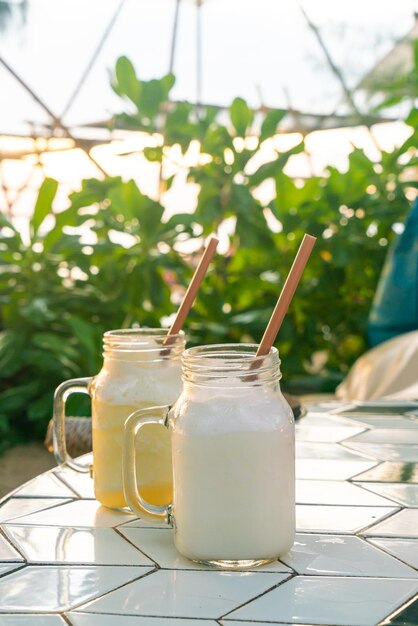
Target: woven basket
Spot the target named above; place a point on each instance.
(77, 435)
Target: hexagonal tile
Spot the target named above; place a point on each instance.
(64, 544)
(329, 600)
(87, 513)
(194, 594)
(52, 589)
(18, 507)
(402, 524)
(404, 549)
(338, 555)
(338, 519)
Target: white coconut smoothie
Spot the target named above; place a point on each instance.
(232, 439)
(233, 465)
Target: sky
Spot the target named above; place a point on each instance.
(261, 50)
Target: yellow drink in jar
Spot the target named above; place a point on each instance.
(154, 472)
(139, 371)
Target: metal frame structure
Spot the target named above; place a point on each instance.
(297, 121)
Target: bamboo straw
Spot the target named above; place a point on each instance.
(286, 295)
(192, 290)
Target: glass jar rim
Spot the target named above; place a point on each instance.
(228, 361)
(122, 333)
(134, 340)
(245, 351)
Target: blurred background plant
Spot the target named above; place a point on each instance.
(12, 12)
(114, 259)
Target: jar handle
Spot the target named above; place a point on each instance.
(62, 393)
(133, 424)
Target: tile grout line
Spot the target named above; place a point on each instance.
(16, 569)
(378, 463)
(356, 506)
(365, 455)
(365, 429)
(18, 549)
(99, 597)
(285, 580)
(66, 484)
(66, 619)
(382, 519)
(57, 477)
(400, 609)
(369, 541)
(10, 495)
(157, 565)
(172, 618)
(47, 508)
(395, 612)
(398, 504)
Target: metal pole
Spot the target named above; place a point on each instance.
(174, 37)
(198, 54)
(92, 61)
(56, 120)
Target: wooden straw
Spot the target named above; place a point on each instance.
(192, 290)
(286, 295)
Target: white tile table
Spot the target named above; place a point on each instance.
(65, 560)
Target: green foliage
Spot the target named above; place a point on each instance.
(241, 116)
(58, 294)
(12, 14)
(72, 279)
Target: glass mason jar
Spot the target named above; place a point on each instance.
(232, 438)
(139, 371)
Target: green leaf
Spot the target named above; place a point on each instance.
(11, 345)
(5, 222)
(43, 205)
(89, 339)
(157, 287)
(55, 237)
(53, 343)
(16, 399)
(150, 219)
(388, 102)
(176, 224)
(135, 122)
(127, 200)
(153, 95)
(241, 116)
(37, 311)
(93, 191)
(412, 118)
(153, 154)
(216, 140)
(186, 219)
(169, 181)
(207, 119)
(40, 409)
(168, 82)
(270, 123)
(273, 168)
(127, 81)
(179, 129)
